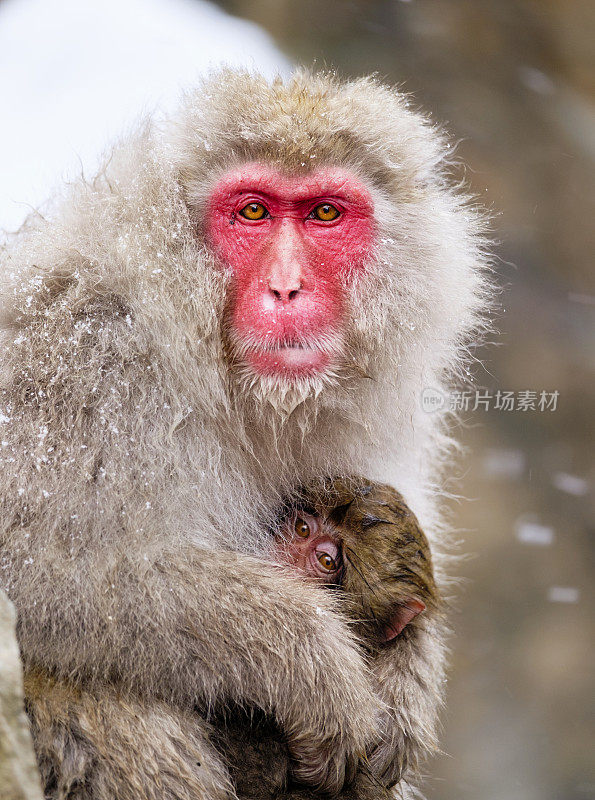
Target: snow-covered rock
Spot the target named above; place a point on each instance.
(19, 779)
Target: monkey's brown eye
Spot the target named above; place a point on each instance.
(325, 212)
(302, 528)
(326, 562)
(254, 211)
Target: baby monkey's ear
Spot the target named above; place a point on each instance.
(402, 617)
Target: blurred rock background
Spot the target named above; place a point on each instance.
(514, 81)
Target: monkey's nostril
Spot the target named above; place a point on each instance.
(283, 295)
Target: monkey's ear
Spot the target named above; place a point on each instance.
(402, 617)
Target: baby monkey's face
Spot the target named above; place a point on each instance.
(361, 537)
(311, 546)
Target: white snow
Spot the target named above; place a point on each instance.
(75, 73)
(503, 463)
(563, 594)
(571, 484)
(536, 80)
(531, 532)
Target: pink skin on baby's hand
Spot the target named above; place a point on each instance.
(402, 617)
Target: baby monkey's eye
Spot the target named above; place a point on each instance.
(325, 212)
(254, 211)
(302, 528)
(327, 562)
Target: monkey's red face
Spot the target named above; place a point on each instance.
(291, 244)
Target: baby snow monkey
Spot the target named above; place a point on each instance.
(361, 540)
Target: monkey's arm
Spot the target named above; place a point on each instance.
(410, 684)
(207, 628)
(107, 587)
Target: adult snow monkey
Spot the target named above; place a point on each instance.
(247, 297)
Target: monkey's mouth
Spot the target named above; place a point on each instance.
(294, 358)
(288, 357)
